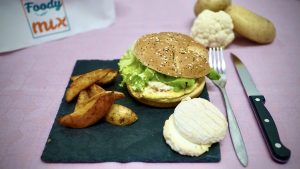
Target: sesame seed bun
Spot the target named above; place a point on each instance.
(172, 54)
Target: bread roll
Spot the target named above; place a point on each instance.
(199, 121)
(172, 54)
(178, 143)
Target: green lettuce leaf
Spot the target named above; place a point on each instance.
(213, 75)
(138, 75)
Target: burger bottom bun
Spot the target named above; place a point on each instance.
(168, 102)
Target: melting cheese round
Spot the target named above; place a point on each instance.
(199, 121)
(179, 144)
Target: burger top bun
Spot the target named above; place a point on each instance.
(172, 54)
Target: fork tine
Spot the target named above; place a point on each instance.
(218, 60)
(214, 59)
(210, 58)
(223, 65)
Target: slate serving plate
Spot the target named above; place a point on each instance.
(140, 142)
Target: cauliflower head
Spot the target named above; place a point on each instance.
(213, 29)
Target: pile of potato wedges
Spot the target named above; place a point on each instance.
(95, 103)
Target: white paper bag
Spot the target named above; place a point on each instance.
(25, 23)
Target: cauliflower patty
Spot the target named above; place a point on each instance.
(213, 29)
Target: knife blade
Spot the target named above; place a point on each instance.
(278, 151)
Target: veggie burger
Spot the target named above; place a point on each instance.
(161, 69)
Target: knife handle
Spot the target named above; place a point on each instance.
(279, 152)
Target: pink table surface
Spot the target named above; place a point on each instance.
(33, 80)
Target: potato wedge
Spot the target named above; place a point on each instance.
(110, 76)
(73, 78)
(120, 115)
(82, 99)
(94, 90)
(84, 81)
(116, 95)
(95, 109)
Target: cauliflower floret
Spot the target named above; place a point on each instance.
(213, 29)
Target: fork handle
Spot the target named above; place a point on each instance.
(235, 133)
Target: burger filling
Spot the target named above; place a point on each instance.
(140, 77)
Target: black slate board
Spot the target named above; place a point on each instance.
(142, 141)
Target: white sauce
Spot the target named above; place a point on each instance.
(159, 86)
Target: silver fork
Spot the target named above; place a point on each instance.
(217, 62)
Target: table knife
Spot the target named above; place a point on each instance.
(278, 151)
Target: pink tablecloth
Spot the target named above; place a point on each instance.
(33, 80)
